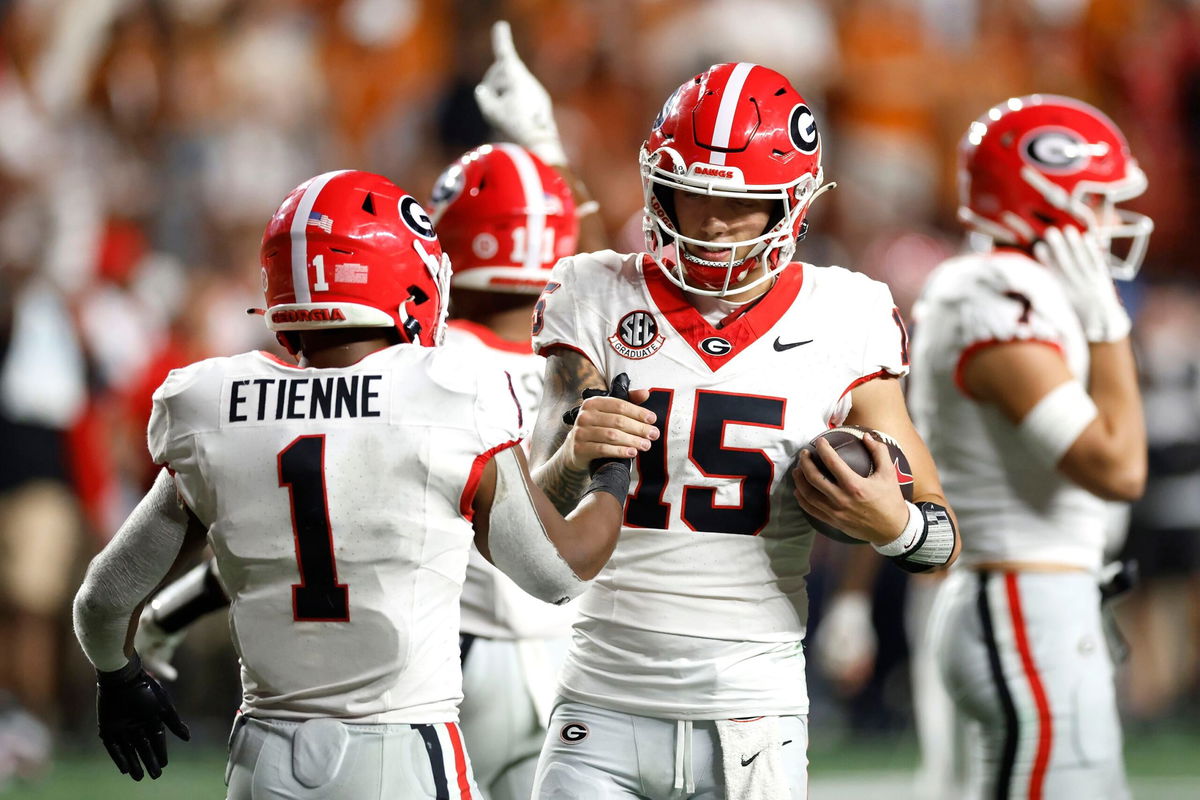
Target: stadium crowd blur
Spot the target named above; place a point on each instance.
(144, 144)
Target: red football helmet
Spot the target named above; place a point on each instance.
(737, 130)
(504, 218)
(1047, 161)
(351, 249)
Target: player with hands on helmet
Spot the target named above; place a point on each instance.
(1025, 387)
(690, 638)
(340, 495)
(1087, 279)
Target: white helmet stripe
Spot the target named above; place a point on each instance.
(299, 233)
(535, 203)
(728, 108)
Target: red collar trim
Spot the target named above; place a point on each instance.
(742, 332)
(490, 338)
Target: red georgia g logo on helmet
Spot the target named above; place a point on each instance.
(1059, 150)
(802, 129)
(415, 218)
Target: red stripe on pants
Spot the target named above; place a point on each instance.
(1045, 729)
(460, 761)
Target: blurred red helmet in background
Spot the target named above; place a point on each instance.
(351, 249)
(1049, 161)
(504, 218)
(737, 130)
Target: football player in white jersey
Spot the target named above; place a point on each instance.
(340, 496)
(685, 676)
(1025, 388)
(504, 217)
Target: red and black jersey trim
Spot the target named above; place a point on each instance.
(970, 350)
(473, 478)
(513, 393)
(740, 331)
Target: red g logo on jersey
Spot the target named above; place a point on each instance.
(637, 335)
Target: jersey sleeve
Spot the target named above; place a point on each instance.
(499, 424)
(886, 347)
(556, 315)
(500, 419)
(169, 436)
(1006, 305)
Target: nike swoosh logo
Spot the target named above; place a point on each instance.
(746, 761)
(780, 346)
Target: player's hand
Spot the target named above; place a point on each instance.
(846, 642)
(133, 708)
(605, 426)
(156, 646)
(871, 509)
(516, 104)
(1080, 263)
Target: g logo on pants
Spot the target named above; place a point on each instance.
(573, 732)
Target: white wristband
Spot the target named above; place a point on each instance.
(1053, 425)
(908, 537)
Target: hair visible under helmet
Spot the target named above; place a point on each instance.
(351, 249)
(504, 218)
(1043, 161)
(736, 130)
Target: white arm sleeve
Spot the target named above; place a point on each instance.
(518, 541)
(1053, 425)
(126, 571)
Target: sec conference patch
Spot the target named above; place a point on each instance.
(573, 732)
(637, 335)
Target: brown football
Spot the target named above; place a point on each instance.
(847, 443)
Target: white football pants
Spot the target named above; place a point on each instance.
(594, 753)
(508, 692)
(941, 729)
(327, 758)
(1023, 656)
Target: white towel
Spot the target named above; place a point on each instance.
(752, 759)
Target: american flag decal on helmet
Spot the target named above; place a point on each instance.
(321, 221)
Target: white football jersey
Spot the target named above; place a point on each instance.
(338, 506)
(1010, 507)
(494, 606)
(700, 612)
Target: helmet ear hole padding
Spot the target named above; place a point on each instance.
(666, 198)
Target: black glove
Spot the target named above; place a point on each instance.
(132, 708)
(619, 388)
